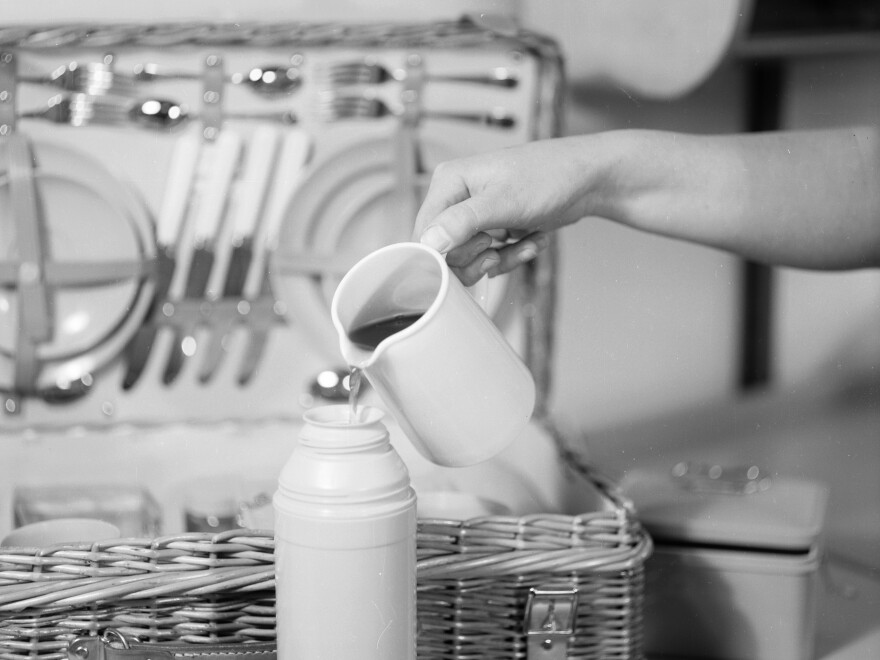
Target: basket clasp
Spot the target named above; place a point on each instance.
(112, 645)
(550, 618)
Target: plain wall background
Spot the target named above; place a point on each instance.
(649, 324)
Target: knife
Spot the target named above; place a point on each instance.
(250, 204)
(222, 158)
(175, 202)
(295, 153)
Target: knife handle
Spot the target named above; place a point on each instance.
(215, 194)
(221, 158)
(178, 190)
(247, 207)
(291, 165)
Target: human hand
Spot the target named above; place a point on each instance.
(490, 213)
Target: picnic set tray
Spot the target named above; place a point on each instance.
(179, 221)
(493, 587)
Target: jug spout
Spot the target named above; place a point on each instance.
(353, 355)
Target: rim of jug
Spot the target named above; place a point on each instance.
(427, 315)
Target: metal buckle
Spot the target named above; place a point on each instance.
(551, 614)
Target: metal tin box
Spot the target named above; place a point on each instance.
(735, 572)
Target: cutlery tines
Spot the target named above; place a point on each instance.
(352, 73)
(80, 109)
(337, 107)
(95, 78)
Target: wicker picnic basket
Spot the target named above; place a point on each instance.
(539, 586)
(492, 587)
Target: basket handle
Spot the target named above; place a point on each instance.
(605, 485)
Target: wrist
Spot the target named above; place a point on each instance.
(612, 173)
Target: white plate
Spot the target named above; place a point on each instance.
(345, 209)
(89, 217)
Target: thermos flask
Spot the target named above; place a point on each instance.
(345, 533)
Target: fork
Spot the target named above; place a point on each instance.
(79, 109)
(353, 106)
(95, 78)
(372, 73)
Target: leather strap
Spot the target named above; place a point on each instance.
(116, 647)
(34, 305)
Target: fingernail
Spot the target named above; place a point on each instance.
(527, 252)
(436, 237)
(488, 263)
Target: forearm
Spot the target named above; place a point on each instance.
(806, 199)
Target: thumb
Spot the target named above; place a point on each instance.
(458, 223)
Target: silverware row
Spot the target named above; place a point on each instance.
(80, 109)
(338, 107)
(102, 78)
(344, 74)
(272, 80)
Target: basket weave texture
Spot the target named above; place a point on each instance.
(474, 579)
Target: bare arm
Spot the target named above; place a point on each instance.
(803, 199)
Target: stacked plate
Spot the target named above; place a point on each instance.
(76, 281)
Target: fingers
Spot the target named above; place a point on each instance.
(453, 226)
(523, 251)
(469, 251)
(478, 257)
(473, 259)
(478, 222)
(459, 204)
(445, 191)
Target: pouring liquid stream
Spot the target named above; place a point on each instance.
(368, 337)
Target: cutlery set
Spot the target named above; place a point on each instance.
(103, 93)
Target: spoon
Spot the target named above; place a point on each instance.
(275, 80)
(67, 392)
(169, 114)
(158, 113)
(271, 80)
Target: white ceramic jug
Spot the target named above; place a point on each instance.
(455, 385)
